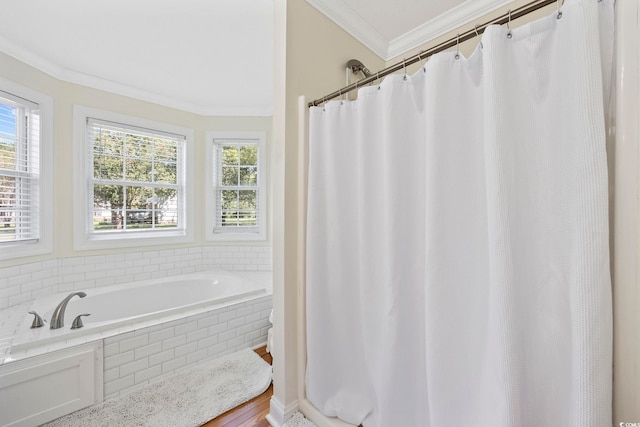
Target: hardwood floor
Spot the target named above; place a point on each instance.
(251, 413)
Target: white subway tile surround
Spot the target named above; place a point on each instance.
(20, 285)
(27, 282)
(136, 354)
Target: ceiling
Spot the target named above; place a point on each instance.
(392, 27)
(210, 57)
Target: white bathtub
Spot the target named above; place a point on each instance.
(140, 304)
(136, 334)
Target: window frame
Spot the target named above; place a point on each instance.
(44, 243)
(84, 236)
(236, 234)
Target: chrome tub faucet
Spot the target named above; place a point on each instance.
(57, 319)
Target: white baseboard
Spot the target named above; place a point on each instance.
(279, 414)
(272, 421)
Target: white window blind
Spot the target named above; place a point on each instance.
(19, 169)
(136, 179)
(237, 175)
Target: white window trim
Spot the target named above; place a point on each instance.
(82, 240)
(261, 235)
(44, 245)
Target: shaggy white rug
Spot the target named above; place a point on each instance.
(189, 398)
(299, 420)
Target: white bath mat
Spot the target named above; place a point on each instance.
(299, 420)
(189, 398)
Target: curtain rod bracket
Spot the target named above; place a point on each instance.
(358, 67)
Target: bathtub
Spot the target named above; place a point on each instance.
(137, 333)
(132, 305)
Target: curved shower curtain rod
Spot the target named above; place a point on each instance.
(447, 44)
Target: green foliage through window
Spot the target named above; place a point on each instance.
(19, 171)
(136, 183)
(237, 182)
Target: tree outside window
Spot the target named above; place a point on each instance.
(238, 186)
(135, 180)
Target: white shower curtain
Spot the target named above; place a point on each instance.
(457, 238)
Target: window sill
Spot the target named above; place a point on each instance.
(10, 251)
(114, 241)
(237, 237)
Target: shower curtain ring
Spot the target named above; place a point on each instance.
(378, 79)
(559, 4)
(475, 28)
(457, 46)
(509, 34)
(424, 66)
(404, 69)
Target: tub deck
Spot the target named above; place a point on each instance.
(12, 319)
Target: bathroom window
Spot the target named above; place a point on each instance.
(136, 181)
(238, 191)
(25, 172)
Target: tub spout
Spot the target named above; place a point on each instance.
(57, 319)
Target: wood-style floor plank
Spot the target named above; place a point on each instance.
(251, 413)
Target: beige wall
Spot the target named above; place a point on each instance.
(310, 60)
(65, 95)
(624, 152)
(624, 165)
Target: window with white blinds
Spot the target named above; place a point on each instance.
(19, 170)
(136, 179)
(238, 176)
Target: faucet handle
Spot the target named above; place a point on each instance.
(77, 322)
(37, 320)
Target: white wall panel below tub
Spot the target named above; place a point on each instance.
(138, 357)
(40, 389)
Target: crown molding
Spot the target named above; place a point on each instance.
(457, 17)
(352, 23)
(345, 17)
(99, 83)
(154, 98)
(23, 55)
